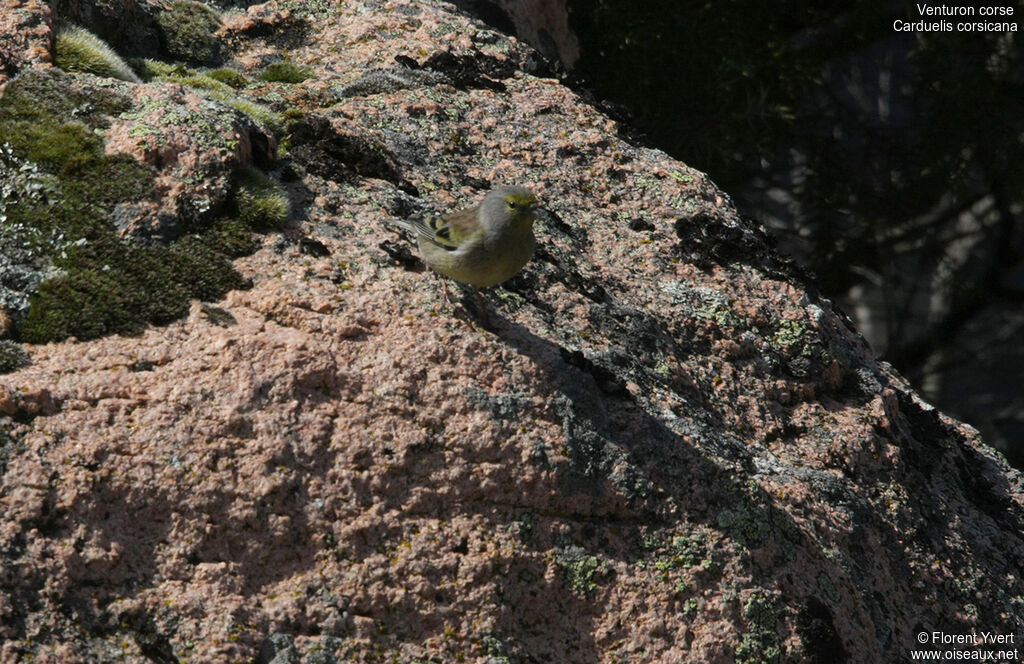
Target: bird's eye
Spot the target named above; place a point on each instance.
(512, 205)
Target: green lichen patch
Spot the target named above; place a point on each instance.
(98, 283)
(77, 49)
(761, 642)
(679, 558)
(186, 32)
(578, 569)
(748, 526)
(285, 72)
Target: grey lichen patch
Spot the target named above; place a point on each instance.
(381, 81)
(12, 356)
(314, 9)
(703, 303)
(23, 260)
(747, 526)
(212, 128)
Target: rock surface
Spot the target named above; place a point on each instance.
(26, 35)
(656, 444)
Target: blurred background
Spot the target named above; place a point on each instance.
(890, 163)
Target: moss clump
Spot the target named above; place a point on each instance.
(12, 356)
(262, 204)
(186, 32)
(258, 112)
(203, 84)
(285, 72)
(104, 284)
(77, 49)
(231, 77)
(151, 70)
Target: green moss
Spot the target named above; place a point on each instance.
(48, 120)
(104, 284)
(258, 112)
(186, 32)
(230, 237)
(285, 72)
(112, 286)
(210, 273)
(60, 148)
(54, 92)
(77, 49)
(12, 356)
(229, 76)
(262, 204)
(157, 71)
(151, 70)
(212, 85)
(86, 304)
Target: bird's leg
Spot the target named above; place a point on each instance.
(482, 303)
(444, 291)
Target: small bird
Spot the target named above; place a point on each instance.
(483, 245)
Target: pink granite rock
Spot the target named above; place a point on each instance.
(26, 35)
(658, 443)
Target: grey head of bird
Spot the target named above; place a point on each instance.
(508, 208)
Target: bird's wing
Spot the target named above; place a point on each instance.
(448, 232)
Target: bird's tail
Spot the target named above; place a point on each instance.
(416, 227)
